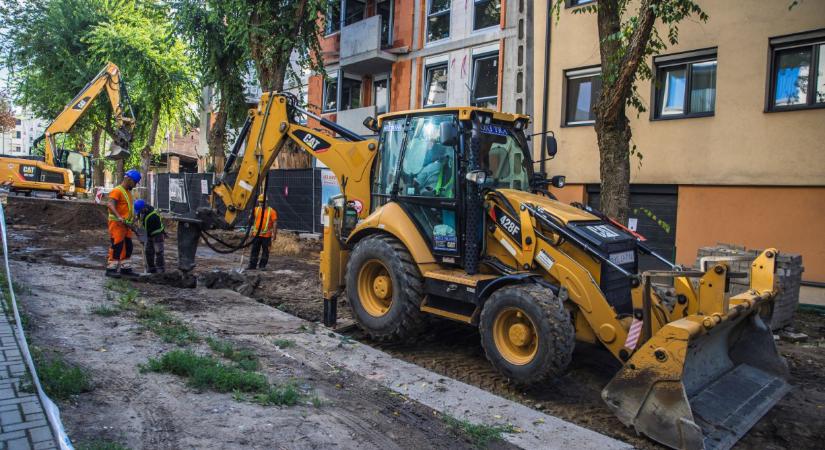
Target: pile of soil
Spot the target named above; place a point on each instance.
(67, 215)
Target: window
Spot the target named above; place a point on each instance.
(391, 140)
(330, 95)
(381, 95)
(17, 134)
(350, 93)
(17, 148)
(797, 72)
(487, 14)
(17, 122)
(485, 81)
(575, 3)
(385, 9)
(428, 166)
(583, 89)
(438, 20)
(435, 86)
(332, 23)
(502, 157)
(685, 85)
(354, 11)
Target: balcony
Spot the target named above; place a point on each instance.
(353, 119)
(361, 51)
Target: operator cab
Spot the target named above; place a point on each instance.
(422, 165)
(80, 164)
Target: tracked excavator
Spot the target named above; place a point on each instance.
(443, 215)
(66, 172)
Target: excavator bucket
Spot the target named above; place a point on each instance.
(703, 381)
(189, 234)
(119, 149)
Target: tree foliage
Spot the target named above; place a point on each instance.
(627, 39)
(6, 114)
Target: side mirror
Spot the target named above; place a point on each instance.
(371, 124)
(558, 181)
(552, 146)
(448, 134)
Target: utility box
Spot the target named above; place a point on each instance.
(788, 274)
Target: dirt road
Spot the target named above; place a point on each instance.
(290, 284)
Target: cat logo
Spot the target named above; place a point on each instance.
(28, 170)
(312, 141)
(82, 103)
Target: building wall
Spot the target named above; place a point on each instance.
(739, 145)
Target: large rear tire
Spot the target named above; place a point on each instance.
(385, 289)
(526, 333)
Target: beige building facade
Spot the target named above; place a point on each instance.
(733, 142)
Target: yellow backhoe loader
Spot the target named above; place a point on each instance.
(66, 172)
(444, 216)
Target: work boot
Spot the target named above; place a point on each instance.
(112, 273)
(128, 273)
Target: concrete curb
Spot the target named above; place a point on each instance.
(448, 396)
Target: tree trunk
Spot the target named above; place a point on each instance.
(217, 138)
(146, 153)
(614, 167)
(97, 171)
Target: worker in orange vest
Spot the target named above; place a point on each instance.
(121, 215)
(264, 230)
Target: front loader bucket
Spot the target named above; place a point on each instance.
(703, 381)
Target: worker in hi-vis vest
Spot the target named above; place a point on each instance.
(264, 230)
(155, 236)
(121, 215)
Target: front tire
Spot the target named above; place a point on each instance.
(527, 333)
(385, 289)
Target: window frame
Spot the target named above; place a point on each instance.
(425, 90)
(347, 76)
(447, 12)
(390, 37)
(686, 59)
(337, 80)
(474, 59)
(330, 32)
(381, 77)
(811, 39)
(498, 24)
(574, 4)
(579, 72)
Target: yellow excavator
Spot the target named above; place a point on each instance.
(66, 172)
(443, 215)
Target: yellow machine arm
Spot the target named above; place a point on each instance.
(269, 127)
(109, 79)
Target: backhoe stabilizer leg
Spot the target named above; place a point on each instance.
(189, 233)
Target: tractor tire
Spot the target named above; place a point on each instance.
(385, 289)
(527, 333)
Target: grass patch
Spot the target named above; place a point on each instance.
(100, 444)
(105, 311)
(480, 435)
(206, 372)
(244, 358)
(167, 327)
(280, 395)
(60, 379)
(284, 343)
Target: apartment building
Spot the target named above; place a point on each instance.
(733, 141)
(393, 55)
(27, 128)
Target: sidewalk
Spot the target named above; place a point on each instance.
(22, 422)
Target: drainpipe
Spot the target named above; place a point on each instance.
(545, 91)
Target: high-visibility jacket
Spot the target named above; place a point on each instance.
(123, 204)
(152, 223)
(264, 221)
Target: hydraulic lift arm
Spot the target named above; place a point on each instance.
(109, 79)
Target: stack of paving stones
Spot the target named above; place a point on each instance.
(22, 422)
(788, 274)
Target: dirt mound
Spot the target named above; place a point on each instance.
(174, 279)
(66, 215)
(222, 279)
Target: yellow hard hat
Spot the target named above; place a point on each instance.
(261, 198)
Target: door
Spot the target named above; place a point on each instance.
(427, 188)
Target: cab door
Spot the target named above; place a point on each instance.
(427, 187)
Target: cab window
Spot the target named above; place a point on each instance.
(391, 140)
(503, 158)
(429, 166)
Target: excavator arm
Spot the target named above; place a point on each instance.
(109, 79)
(269, 128)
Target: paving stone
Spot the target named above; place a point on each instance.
(36, 416)
(12, 435)
(10, 418)
(12, 407)
(45, 445)
(31, 407)
(7, 394)
(18, 444)
(40, 434)
(25, 425)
